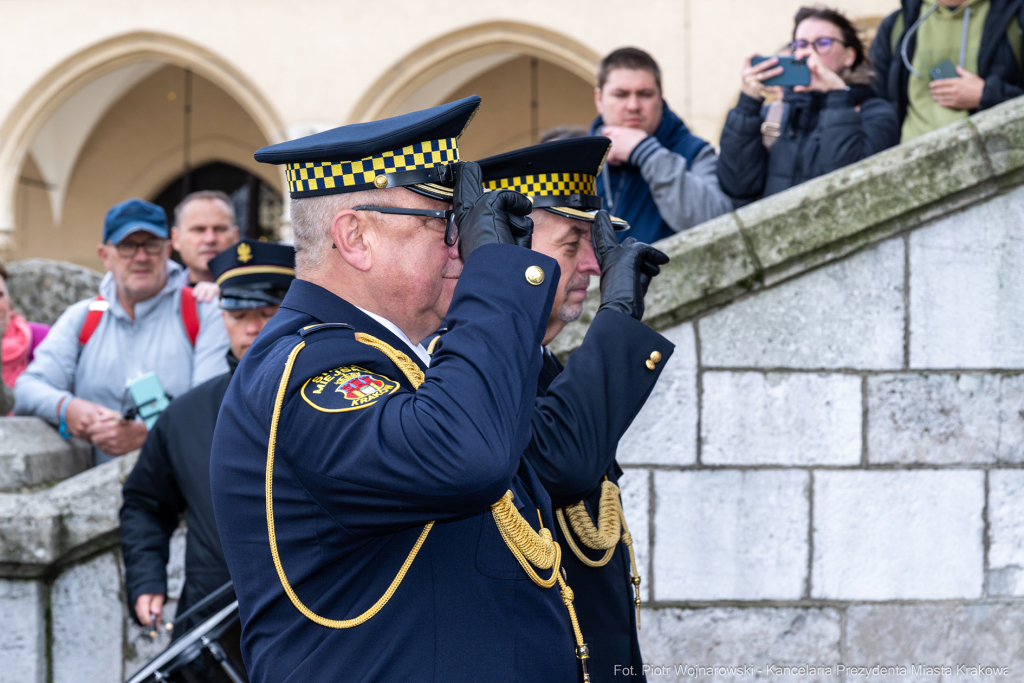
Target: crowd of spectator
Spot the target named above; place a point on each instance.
(929, 64)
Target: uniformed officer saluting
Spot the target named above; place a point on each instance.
(583, 409)
(376, 514)
(172, 474)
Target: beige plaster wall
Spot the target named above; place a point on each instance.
(134, 151)
(36, 235)
(504, 121)
(313, 60)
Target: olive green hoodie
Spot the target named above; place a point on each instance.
(939, 37)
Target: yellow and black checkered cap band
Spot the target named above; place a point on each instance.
(546, 184)
(312, 178)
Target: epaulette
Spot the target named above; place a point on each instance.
(310, 329)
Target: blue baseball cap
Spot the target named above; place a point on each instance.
(131, 216)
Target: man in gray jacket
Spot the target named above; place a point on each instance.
(659, 177)
(141, 322)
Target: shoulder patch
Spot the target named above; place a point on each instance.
(309, 329)
(346, 388)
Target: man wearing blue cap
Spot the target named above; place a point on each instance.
(405, 538)
(141, 322)
(172, 475)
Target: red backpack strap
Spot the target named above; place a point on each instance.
(97, 308)
(189, 314)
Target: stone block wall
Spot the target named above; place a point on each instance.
(32, 454)
(63, 617)
(830, 469)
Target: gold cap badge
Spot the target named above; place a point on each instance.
(244, 252)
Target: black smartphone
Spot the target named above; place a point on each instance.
(794, 71)
(944, 69)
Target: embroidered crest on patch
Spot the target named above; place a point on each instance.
(346, 388)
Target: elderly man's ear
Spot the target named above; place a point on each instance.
(348, 233)
(102, 252)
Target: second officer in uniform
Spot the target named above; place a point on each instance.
(583, 409)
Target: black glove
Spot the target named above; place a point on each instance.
(626, 269)
(501, 217)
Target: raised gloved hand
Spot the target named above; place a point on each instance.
(501, 217)
(626, 269)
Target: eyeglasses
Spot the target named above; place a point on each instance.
(451, 231)
(820, 45)
(151, 247)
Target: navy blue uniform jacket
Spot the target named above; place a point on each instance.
(353, 489)
(580, 415)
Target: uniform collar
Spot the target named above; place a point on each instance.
(550, 368)
(416, 348)
(313, 300)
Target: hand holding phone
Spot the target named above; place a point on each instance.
(754, 76)
(962, 92)
(794, 71)
(944, 69)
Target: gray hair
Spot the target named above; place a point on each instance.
(563, 133)
(215, 195)
(311, 224)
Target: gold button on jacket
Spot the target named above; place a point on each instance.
(534, 275)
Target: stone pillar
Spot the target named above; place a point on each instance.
(23, 631)
(87, 608)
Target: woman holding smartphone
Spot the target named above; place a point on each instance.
(810, 129)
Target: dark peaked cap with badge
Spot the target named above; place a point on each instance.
(252, 274)
(417, 151)
(560, 176)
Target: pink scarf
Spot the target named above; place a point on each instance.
(15, 348)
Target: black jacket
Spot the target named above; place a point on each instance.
(820, 132)
(172, 477)
(997, 62)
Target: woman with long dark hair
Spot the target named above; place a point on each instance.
(809, 130)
